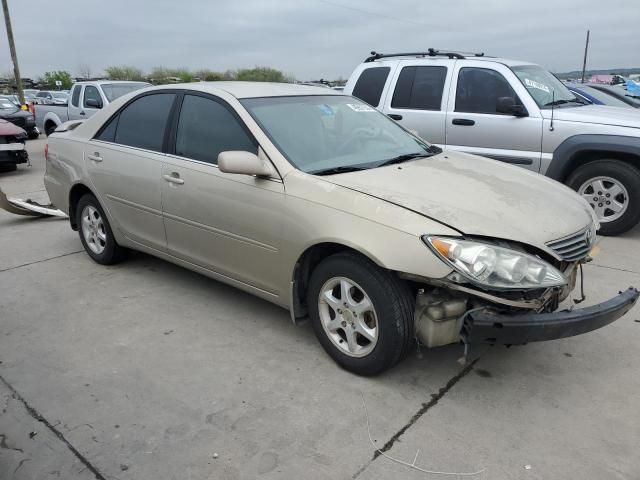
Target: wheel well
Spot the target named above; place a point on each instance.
(76, 193)
(49, 123)
(305, 265)
(587, 156)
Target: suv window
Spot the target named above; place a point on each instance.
(419, 88)
(370, 85)
(91, 92)
(479, 89)
(75, 96)
(206, 128)
(42, 94)
(142, 123)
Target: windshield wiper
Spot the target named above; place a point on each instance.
(334, 170)
(562, 102)
(405, 158)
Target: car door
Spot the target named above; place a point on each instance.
(74, 106)
(419, 99)
(474, 125)
(226, 223)
(124, 162)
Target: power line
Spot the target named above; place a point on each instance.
(374, 14)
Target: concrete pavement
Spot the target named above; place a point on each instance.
(145, 370)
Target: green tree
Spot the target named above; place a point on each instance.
(124, 73)
(49, 79)
(161, 75)
(261, 74)
(207, 75)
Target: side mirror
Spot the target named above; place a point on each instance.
(508, 106)
(93, 103)
(244, 163)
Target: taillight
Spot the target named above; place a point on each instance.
(46, 151)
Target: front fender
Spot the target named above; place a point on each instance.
(564, 157)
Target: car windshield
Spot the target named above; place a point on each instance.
(326, 132)
(115, 90)
(6, 104)
(544, 87)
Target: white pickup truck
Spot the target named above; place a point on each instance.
(85, 99)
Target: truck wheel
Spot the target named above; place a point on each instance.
(8, 167)
(95, 232)
(49, 128)
(612, 188)
(33, 134)
(361, 313)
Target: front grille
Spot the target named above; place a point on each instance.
(575, 246)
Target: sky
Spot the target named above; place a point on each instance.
(312, 39)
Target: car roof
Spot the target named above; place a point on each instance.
(505, 61)
(252, 89)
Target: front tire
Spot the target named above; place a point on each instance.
(361, 313)
(612, 188)
(95, 232)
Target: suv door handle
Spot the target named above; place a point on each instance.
(82, 113)
(95, 157)
(463, 121)
(173, 178)
(395, 116)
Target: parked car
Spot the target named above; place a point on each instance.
(51, 97)
(607, 79)
(86, 98)
(315, 201)
(517, 113)
(12, 146)
(595, 96)
(620, 93)
(13, 113)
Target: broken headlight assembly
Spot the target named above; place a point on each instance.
(492, 266)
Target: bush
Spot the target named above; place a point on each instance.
(124, 73)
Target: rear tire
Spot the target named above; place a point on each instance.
(383, 332)
(95, 232)
(49, 128)
(621, 182)
(11, 167)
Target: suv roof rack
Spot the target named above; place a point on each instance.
(431, 52)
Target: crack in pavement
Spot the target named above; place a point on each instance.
(37, 416)
(613, 268)
(40, 261)
(435, 398)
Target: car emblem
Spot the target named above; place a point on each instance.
(587, 236)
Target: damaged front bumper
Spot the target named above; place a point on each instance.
(486, 326)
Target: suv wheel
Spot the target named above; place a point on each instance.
(361, 314)
(612, 188)
(95, 232)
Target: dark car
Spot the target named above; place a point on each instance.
(13, 113)
(12, 149)
(595, 96)
(619, 92)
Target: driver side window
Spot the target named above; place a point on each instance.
(479, 89)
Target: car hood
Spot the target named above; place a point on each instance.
(14, 113)
(600, 114)
(477, 196)
(9, 129)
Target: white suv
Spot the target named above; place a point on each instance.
(515, 112)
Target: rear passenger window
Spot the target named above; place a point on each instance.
(75, 96)
(370, 85)
(419, 88)
(479, 89)
(206, 128)
(142, 123)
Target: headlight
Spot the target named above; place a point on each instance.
(493, 266)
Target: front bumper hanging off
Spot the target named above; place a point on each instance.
(486, 326)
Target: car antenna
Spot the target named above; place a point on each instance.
(553, 101)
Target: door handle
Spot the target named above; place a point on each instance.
(395, 116)
(173, 178)
(82, 113)
(463, 121)
(95, 157)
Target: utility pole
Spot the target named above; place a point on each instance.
(584, 62)
(12, 48)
